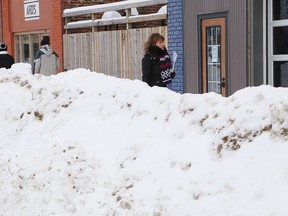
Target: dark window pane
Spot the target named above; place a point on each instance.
(280, 42)
(25, 48)
(280, 9)
(281, 74)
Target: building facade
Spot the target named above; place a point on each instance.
(26, 22)
(228, 45)
(222, 45)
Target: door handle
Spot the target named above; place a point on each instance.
(223, 83)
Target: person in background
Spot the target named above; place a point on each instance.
(156, 63)
(46, 61)
(6, 60)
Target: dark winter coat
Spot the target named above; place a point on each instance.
(156, 65)
(46, 61)
(6, 60)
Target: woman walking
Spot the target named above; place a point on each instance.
(156, 63)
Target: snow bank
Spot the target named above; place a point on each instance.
(82, 143)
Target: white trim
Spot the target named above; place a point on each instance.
(278, 23)
(279, 57)
(264, 42)
(270, 40)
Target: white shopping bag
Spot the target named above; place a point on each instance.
(174, 58)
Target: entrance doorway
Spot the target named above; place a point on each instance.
(213, 57)
(26, 44)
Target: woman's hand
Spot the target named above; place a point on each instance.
(172, 73)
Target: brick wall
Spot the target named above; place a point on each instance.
(7, 34)
(56, 31)
(79, 3)
(175, 40)
(142, 10)
(1, 29)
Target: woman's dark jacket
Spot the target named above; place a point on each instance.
(156, 65)
(6, 60)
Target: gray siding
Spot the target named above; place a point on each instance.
(236, 41)
(257, 48)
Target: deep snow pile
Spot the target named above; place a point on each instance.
(82, 143)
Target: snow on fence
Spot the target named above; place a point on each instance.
(117, 53)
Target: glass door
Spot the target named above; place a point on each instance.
(213, 55)
(25, 54)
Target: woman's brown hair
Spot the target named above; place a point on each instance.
(152, 40)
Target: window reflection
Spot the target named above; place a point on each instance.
(17, 50)
(213, 59)
(25, 48)
(281, 74)
(280, 9)
(35, 44)
(280, 41)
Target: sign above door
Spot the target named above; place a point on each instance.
(31, 10)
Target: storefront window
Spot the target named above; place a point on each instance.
(281, 74)
(26, 46)
(280, 9)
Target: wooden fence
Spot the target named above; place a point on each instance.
(116, 53)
